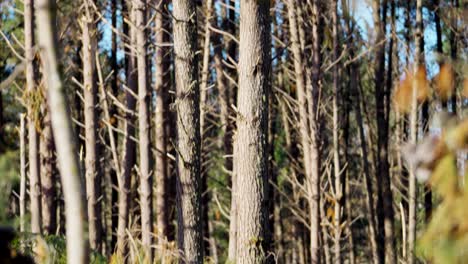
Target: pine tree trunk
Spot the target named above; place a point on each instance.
(146, 178)
(22, 196)
(190, 222)
(250, 143)
(63, 135)
(34, 174)
(161, 120)
(93, 178)
(129, 152)
(48, 178)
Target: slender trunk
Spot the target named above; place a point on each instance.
(314, 116)
(336, 130)
(250, 144)
(161, 120)
(22, 196)
(49, 192)
(418, 57)
(129, 152)
(34, 174)
(146, 179)
(190, 222)
(63, 136)
(93, 178)
(453, 46)
(385, 214)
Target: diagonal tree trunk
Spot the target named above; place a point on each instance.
(250, 143)
(64, 139)
(34, 174)
(190, 222)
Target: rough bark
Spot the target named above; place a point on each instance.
(64, 139)
(33, 138)
(250, 143)
(189, 218)
(93, 186)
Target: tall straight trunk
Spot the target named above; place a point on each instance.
(34, 174)
(48, 178)
(146, 179)
(22, 196)
(418, 57)
(204, 110)
(129, 152)
(190, 222)
(336, 129)
(230, 95)
(64, 138)
(314, 117)
(439, 48)
(115, 88)
(250, 144)
(161, 120)
(93, 186)
(385, 214)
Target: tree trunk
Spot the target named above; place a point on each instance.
(129, 152)
(34, 174)
(161, 120)
(250, 144)
(22, 196)
(190, 222)
(93, 178)
(63, 136)
(385, 214)
(412, 220)
(49, 192)
(146, 179)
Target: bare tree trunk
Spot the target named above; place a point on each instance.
(190, 222)
(49, 192)
(161, 120)
(22, 197)
(385, 212)
(93, 178)
(336, 130)
(34, 174)
(412, 220)
(146, 179)
(129, 152)
(77, 242)
(314, 115)
(250, 144)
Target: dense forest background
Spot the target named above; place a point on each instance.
(223, 131)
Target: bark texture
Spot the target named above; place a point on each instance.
(190, 237)
(250, 143)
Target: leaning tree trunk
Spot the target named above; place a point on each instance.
(64, 137)
(250, 143)
(34, 176)
(91, 169)
(146, 179)
(190, 237)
